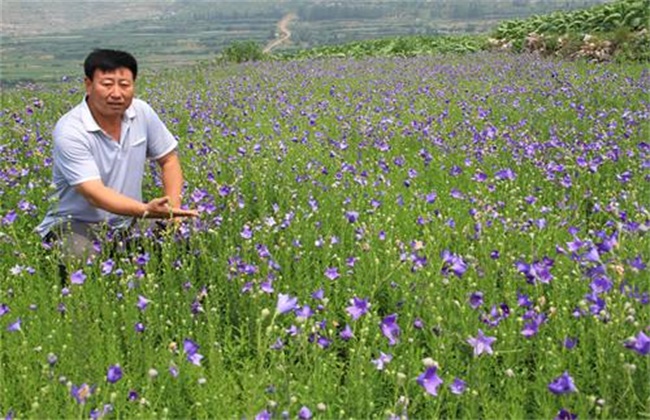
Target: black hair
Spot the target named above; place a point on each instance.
(108, 60)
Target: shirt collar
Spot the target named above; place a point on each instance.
(89, 121)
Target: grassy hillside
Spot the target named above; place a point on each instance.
(43, 41)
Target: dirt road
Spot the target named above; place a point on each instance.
(283, 31)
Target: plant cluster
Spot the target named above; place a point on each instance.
(597, 33)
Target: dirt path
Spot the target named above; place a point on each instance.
(284, 32)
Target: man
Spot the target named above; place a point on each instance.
(99, 153)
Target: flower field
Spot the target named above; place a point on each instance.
(441, 236)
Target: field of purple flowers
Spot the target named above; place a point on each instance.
(459, 237)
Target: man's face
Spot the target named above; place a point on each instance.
(110, 93)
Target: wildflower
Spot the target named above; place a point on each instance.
(390, 329)
(332, 273)
(304, 312)
(352, 216)
(640, 344)
(569, 343)
(263, 415)
(173, 370)
(565, 414)
(476, 300)
(107, 267)
(114, 374)
(323, 341)
(78, 277)
(430, 380)
(453, 263)
(458, 386)
(285, 303)
(537, 271)
(381, 361)
(358, 308)
(482, 343)
(278, 345)
(192, 351)
(97, 414)
(4, 309)
(563, 384)
(346, 334)
(15, 326)
(304, 413)
(52, 359)
(82, 392)
(142, 302)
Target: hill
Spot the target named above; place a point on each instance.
(43, 41)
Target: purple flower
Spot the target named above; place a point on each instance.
(246, 232)
(278, 345)
(505, 174)
(263, 415)
(323, 341)
(139, 327)
(285, 303)
(304, 413)
(78, 277)
(458, 387)
(352, 216)
(318, 294)
(133, 395)
(563, 384)
(346, 333)
(142, 302)
(390, 329)
(637, 263)
(114, 374)
(82, 392)
(565, 414)
(15, 326)
(173, 370)
(640, 344)
(382, 360)
(430, 381)
(537, 271)
(570, 343)
(304, 312)
(453, 263)
(532, 326)
(4, 309)
(192, 351)
(332, 273)
(476, 299)
(142, 259)
(358, 308)
(482, 343)
(107, 267)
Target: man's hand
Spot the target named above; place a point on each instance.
(160, 208)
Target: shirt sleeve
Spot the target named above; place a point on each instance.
(160, 140)
(74, 158)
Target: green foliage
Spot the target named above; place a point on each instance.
(395, 47)
(619, 25)
(242, 51)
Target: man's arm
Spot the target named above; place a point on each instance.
(172, 177)
(100, 196)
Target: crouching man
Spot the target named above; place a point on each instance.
(99, 154)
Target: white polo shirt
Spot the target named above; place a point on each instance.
(82, 151)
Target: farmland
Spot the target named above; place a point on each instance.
(429, 236)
